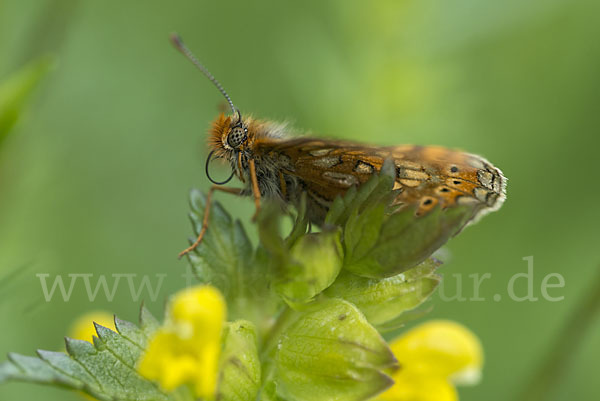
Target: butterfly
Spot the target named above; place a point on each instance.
(272, 163)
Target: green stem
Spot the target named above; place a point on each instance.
(565, 346)
(269, 343)
(270, 339)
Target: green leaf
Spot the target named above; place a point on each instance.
(240, 365)
(384, 300)
(148, 324)
(105, 369)
(15, 91)
(38, 370)
(225, 257)
(331, 353)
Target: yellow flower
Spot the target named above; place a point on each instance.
(83, 328)
(433, 357)
(186, 349)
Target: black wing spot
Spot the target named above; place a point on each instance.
(454, 169)
(456, 182)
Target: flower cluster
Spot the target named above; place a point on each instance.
(308, 310)
(186, 351)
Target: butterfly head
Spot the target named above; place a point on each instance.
(230, 135)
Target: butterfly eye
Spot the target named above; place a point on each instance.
(237, 136)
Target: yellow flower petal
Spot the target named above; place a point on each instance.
(186, 349)
(203, 303)
(442, 349)
(431, 357)
(409, 387)
(83, 328)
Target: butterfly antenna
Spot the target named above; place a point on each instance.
(179, 45)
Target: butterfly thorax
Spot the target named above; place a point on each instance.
(269, 172)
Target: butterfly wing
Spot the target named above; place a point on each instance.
(426, 176)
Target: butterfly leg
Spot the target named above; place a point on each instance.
(234, 191)
(282, 185)
(255, 189)
(240, 169)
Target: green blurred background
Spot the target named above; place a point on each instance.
(94, 177)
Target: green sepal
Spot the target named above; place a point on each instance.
(405, 240)
(331, 353)
(301, 223)
(269, 231)
(404, 318)
(380, 240)
(383, 301)
(269, 392)
(302, 265)
(315, 261)
(240, 368)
